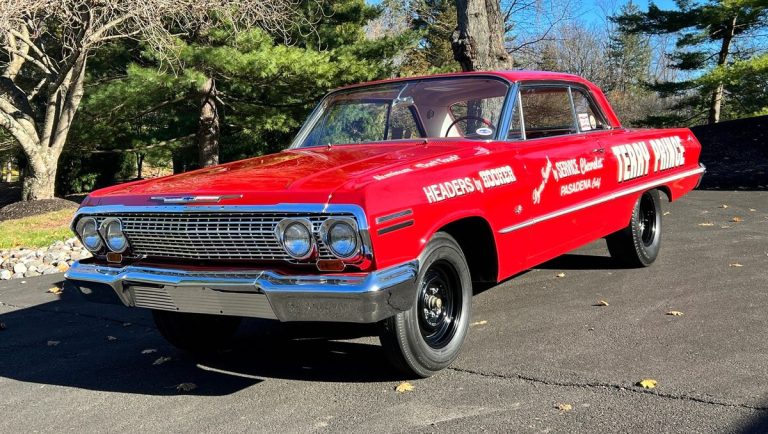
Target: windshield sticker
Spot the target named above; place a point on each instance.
(484, 131)
(635, 159)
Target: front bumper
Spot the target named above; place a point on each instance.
(358, 297)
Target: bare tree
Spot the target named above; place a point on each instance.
(47, 43)
(478, 41)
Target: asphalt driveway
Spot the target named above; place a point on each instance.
(538, 342)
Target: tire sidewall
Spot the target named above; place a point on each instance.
(427, 359)
(647, 254)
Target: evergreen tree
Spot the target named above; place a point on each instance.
(708, 32)
(629, 56)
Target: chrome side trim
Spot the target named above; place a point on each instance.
(354, 297)
(635, 189)
(388, 217)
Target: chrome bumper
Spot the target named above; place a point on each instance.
(360, 298)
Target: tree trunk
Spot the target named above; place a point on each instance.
(40, 180)
(208, 130)
(9, 171)
(478, 41)
(717, 95)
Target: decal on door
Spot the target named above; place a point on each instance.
(635, 158)
(488, 179)
(544, 179)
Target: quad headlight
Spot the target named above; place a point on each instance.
(112, 232)
(88, 230)
(341, 236)
(295, 236)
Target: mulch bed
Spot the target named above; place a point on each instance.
(27, 209)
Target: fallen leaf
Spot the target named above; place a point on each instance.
(53, 343)
(724, 206)
(564, 407)
(752, 209)
(706, 224)
(476, 323)
(160, 360)
(55, 290)
(148, 351)
(735, 264)
(186, 387)
(601, 303)
(647, 383)
(560, 275)
(111, 338)
(127, 324)
(675, 313)
(666, 213)
(737, 219)
(404, 387)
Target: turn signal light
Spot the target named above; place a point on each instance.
(330, 265)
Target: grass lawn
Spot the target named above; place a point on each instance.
(36, 231)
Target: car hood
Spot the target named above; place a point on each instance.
(307, 175)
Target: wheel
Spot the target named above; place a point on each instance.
(428, 337)
(195, 332)
(638, 244)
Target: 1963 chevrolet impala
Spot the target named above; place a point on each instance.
(395, 198)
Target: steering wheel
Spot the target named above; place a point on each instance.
(466, 118)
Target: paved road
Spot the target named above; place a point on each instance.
(543, 343)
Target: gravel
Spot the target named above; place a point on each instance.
(56, 258)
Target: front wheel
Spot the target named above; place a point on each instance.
(195, 332)
(638, 244)
(428, 337)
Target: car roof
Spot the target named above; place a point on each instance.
(511, 75)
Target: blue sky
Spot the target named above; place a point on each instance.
(591, 10)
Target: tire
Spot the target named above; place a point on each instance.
(195, 332)
(428, 337)
(638, 244)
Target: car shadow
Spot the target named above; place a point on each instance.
(576, 261)
(757, 424)
(74, 343)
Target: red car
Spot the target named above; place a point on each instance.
(395, 200)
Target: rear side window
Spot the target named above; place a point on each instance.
(587, 115)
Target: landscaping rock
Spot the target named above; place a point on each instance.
(19, 268)
(56, 258)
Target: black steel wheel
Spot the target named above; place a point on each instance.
(195, 332)
(428, 337)
(639, 243)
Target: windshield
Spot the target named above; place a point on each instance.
(467, 107)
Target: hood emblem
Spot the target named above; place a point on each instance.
(195, 199)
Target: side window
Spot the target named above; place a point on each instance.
(402, 123)
(547, 111)
(587, 115)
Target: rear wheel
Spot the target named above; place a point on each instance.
(638, 244)
(428, 337)
(196, 332)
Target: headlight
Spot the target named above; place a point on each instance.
(341, 237)
(296, 237)
(112, 232)
(89, 234)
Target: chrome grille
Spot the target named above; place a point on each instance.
(211, 235)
